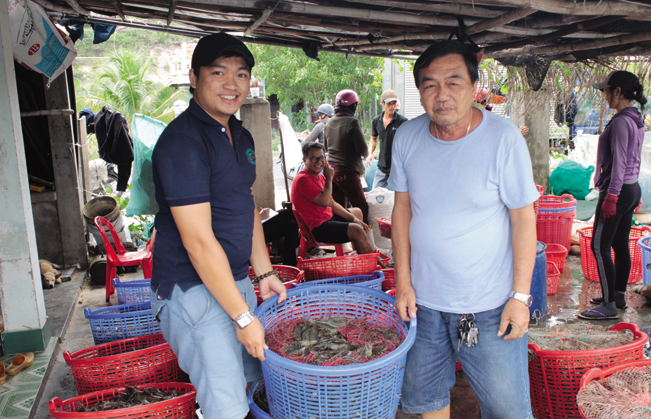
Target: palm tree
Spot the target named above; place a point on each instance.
(126, 85)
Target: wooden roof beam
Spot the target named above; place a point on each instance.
(577, 27)
(636, 11)
(451, 8)
(350, 13)
(496, 23)
(170, 13)
(258, 22)
(118, 9)
(576, 46)
(55, 7)
(77, 8)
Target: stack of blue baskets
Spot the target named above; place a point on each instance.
(132, 291)
(133, 316)
(367, 390)
(373, 281)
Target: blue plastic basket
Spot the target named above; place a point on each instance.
(371, 281)
(367, 390)
(122, 322)
(556, 210)
(645, 244)
(132, 291)
(255, 410)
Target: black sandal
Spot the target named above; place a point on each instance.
(598, 300)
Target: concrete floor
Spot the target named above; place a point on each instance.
(573, 295)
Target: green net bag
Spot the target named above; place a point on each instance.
(145, 132)
(572, 178)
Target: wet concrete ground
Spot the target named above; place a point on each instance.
(573, 295)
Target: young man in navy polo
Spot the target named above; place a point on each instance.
(208, 231)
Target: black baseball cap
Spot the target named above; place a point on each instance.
(216, 45)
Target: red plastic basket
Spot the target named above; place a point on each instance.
(555, 228)
(181, 407)
(144, 359)
(389, 279)
(555, 375)
(392, 292)
(589, 263)
(385, 227)
(552, 278)
(553, 202)
(287, 274)
(556, 253)
(324, 268)
(599, 374)
(536, 203)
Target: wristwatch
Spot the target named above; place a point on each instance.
(526, 299)
(244, 319)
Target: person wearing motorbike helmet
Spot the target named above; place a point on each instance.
(346, 146)
(324, 112)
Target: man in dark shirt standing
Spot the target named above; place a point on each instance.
(385, 126)
(208, 231)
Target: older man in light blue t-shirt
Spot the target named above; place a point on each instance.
(464, 240)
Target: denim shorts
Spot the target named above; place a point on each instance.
(497, 369)
(203, 338)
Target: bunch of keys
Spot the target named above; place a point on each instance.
(467, 331)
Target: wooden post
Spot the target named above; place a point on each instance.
(83, 160)
(64, 161)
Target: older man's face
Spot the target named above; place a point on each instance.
(446, 91)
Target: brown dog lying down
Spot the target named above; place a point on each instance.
(644, 291)
(50, 275)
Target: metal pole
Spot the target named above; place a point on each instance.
(284, 167)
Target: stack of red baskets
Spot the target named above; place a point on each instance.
(555, 376)
(101, 371)
(325, 268)
(536, 203)
(589, 263)
(555, 217)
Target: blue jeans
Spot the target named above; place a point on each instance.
(381, 180)
(497, 369)
(203, 338)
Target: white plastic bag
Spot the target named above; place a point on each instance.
(36, 42)
(380, 204)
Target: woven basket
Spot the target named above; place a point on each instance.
(555, 376)
(144, 359)
(297, 390)
(589, 263)
(181, 407)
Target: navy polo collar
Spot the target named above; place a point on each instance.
(203, 116)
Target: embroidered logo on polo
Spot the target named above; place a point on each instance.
(250, 154)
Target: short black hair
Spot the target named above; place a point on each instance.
(443, 48)
(308, 145)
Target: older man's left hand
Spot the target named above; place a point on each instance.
(517, 315)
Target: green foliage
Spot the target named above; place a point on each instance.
(126, 85)
(294, 77)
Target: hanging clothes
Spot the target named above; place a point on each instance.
(115, 145)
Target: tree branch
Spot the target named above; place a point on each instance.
(77, 7)
(118, 8)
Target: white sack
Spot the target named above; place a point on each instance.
(36, 42)
(293, 153)
(380, 204)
